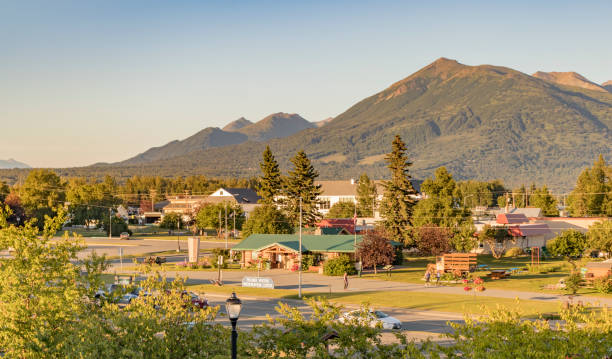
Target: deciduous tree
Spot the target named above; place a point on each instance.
(433, 240)
(570, 244)
(342, 210)
(497, 238)
(42, 191)
(599, 237)
(266, 219)
(592, 195)
(375, 249)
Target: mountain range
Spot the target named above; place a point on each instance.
(11, 163)
(276, 125)
(481, 122)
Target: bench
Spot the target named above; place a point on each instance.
(498, 274)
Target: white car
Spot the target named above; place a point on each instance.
(372, 318)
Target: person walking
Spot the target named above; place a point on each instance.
(427, 278)
(345, 280)
(437, 278)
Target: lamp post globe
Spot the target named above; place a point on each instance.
(233, 305)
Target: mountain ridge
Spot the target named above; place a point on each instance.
(482, 122)
(570, 79)
(276, 125)
(12, 163)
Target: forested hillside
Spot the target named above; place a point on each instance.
(480, 122)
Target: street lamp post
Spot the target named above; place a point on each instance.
(233, 305)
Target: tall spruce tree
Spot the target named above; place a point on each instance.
(397, 205)
(366, 196)
(270, 183)
(300, 183)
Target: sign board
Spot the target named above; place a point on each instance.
(258, 282)
(193, 244)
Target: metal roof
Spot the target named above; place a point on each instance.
(525, 230)
(310, 243)
(511, 218)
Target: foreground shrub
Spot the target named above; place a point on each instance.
(603, 285)
(339, 265)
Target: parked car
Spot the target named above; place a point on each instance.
(372, 319)
(124, 235)
(201, 303)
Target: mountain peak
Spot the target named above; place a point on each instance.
(276, 125)
(12, 163)
(237, 124)
(569, 79)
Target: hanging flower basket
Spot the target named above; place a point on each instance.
(480, 289)
(467, 288)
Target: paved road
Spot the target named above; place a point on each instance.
(312, 282)
(415, 324)
(136, 247)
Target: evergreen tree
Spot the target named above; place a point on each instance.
(592, 195)
(398, 200)
(270, 182)
(519, 196)
(366, 196)
(541, 198)
(300, 184)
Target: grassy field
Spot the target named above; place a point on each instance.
(426, 301)
(414, 268)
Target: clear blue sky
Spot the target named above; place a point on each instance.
(89, 81)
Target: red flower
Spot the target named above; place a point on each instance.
(480, 289)
(467, 288)
(466, 281)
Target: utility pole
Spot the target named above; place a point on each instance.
(110, 222)
(355, 226)
(234, 228)
(178, 235)
(226, 225)
(219, 224)
(300, 255)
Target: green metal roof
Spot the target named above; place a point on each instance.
(310, 243)
(332, 230)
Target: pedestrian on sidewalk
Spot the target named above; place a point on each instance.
(437, 278)
(345, 280)
(427, 278)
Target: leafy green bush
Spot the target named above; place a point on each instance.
(308, 260)
(219, 252)
(514, 252)
(339, 265)
(603, 285)
(573, 282)
(543, 269)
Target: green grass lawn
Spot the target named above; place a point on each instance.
(413, 271)
(426, 301)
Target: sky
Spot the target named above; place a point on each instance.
(101, 81)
